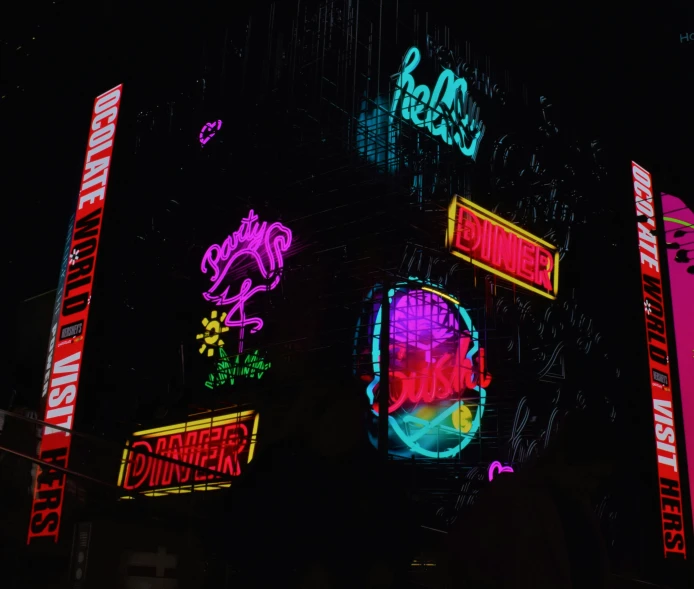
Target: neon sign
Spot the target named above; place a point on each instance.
(228, 370)
(265, 245)
(678, 223)
(208, 131)
(210, 336)
(447, 112)
(223, 444)
(492, 243)
(438, 376)
(495, 468)
(659, 367)
(65, 351)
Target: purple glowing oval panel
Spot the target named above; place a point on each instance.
(422, 319)
(437, 376)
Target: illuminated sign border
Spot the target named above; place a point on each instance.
(658, 360)
(448, 110)
(521, 233)
(64, 361)
(185, 427)
(411, 441)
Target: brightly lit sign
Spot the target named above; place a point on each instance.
(208, 131)
(678, 223)
(254, 246)
(437, 376)
(222, 444)
(486, 240)
(67, 337)
(659, 367)
(240, 366)
(447, 111)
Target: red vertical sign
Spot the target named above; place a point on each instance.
(659, 368)
(67, 337)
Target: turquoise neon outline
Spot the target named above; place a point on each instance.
(412, 441)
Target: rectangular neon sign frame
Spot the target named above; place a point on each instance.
(192, 449)
(64, 360)
(659, 368)
(525, 239)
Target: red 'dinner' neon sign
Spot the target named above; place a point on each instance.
(222, 444)
(67, 338)
(492, 243)
(659, 368)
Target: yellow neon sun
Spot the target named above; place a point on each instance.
(213, 327)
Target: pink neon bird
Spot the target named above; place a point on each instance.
(265, 245)
(496, 467)
(208, 131)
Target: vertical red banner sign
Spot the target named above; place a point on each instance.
(659, 368)
(68, 334)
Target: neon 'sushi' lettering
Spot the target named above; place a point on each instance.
(447, 111)
(435, 385)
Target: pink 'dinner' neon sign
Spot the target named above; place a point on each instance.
(209, 130)
(254, 246)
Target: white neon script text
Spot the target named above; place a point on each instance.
(447, 112)
(266, 245)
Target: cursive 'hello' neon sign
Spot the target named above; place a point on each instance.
(447, 111)
(264, 246)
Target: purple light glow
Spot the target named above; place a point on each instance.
(423, 320)
(208, 131)
(265, 245)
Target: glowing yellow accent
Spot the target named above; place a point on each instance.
(452, 210)
(444, 296)
(427, 413)
(462, 419)
(189, 426)
(251, 448)
(122, 464)
(211, 336)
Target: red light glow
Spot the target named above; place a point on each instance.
(67, 341)
(490, 242)
(221, 444)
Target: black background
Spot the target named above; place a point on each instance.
(618, 73)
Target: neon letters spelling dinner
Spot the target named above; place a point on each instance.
(265, 245)
(447, 111)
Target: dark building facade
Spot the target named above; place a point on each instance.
(343, 200)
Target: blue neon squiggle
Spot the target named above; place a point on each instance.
(447, 111)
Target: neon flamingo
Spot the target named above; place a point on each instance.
(266, 245)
